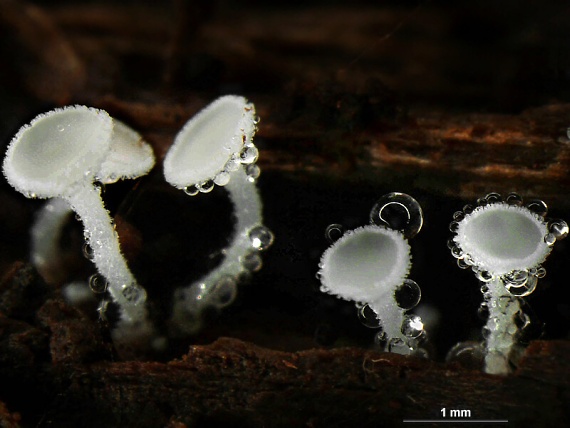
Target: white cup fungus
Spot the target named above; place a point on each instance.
(215, 147)
(59, 155)
(370, 265)
(504, 243)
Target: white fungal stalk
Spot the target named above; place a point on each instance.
(45, 234)
(370, 265)
(504, 243)
(101, 236)
(500, 330)
(59, 155)
(216, 147)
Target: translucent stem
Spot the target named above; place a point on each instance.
(190, 300)
(500, 327)
(45, 235)
(101, 236)
(392, 318)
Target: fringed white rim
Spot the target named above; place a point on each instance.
(58, 149)
(500, 238)
(366, 264)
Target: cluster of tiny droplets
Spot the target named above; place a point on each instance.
(502, 306)
(223, 292)
(247, 157)
(407, 296)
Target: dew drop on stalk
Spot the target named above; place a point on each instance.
(408, 295)
(98, 284)
(261, 238)
(368, 317)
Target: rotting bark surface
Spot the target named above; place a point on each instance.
(63, 366)
(356, 101)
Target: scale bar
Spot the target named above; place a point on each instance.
(455, 421)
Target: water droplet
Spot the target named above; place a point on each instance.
(529, 326)
(523, 290)
(484, 275)
(482, 202)
(222, 178)
(516, 278)
(514, 199)
(468, 209)
(252, 262)
(98, 284)
(486, 332)
(87, 251)
(233, 164)
(253, 171)
(334, 232)
(206, 186)
(191, 190)
(77, 217)
(256, 119)
(462, 264)
(451, 243)
(249, 154)
(60, 128)
(261, 238)
(549, 239)
(493, 197)
(412, 326)
(368, 317)
(381, 339)
(458, 215)
(134, 294)
(483, 312)
(224, 292)
(538, 207)
(408, 295)
(397, 346)
(468, 354)
(457, 252)
(559, 228)
(521, 319)
(398, 211)
(454, 226)
(540, 272)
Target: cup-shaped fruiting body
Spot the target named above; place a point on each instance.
(215, 147)
(59, 155)
(370, 265)
(129, 157)
(504, 242)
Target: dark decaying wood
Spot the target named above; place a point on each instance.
(355, 101)
(238, 383)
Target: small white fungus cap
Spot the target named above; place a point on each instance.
(130, 155)
(501, 238)
(209, 140)
(58, 149)
(366, 264)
